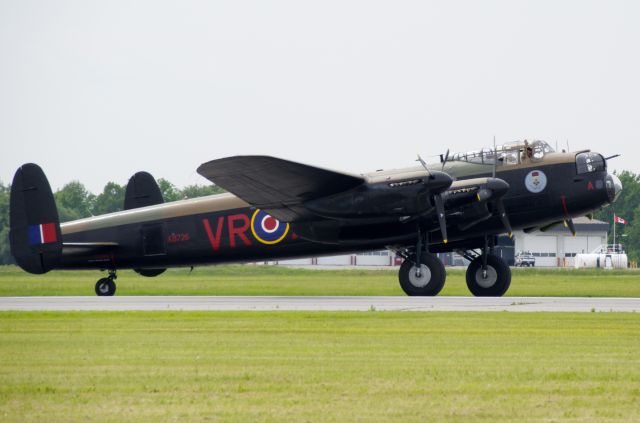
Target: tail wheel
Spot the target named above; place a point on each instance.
(490, 282)
(105, 287)
(428, 281)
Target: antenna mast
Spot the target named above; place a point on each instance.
(495, 156)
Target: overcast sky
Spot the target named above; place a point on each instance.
(96, 91)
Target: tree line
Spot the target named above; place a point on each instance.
(627, 207)
(74, 201)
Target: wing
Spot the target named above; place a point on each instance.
(466, 202)
(275, 185)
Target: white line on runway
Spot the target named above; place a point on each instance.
(202, 303)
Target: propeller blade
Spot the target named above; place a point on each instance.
(551, 225)
(444, 160)
(502, 213)
(424, 164)
(569, 224)
(437, 199)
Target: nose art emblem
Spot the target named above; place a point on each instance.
(535, 181)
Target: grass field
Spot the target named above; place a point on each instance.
(304, 366)
(369, 366)
(273, 280)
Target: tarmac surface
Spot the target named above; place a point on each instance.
(202, 303)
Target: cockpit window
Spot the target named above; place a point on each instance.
(507, 154)
(590, 162)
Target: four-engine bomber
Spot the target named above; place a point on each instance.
(277, 209)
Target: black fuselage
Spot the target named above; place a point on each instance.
(162, 236)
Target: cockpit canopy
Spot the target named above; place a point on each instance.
(511, 153)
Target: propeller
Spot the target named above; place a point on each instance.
(422, 162)
(568, 223)
(547, 227)
(550, 226)
(437, 201)
(484, 194)
(496, 188)
(444, 160)
(502, 214)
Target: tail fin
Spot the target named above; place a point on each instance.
(35, 238)
(142, 190)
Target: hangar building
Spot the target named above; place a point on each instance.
(557, 247)
(554, 248)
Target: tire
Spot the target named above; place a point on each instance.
(105, 287)
(430, 282)
(497, 281)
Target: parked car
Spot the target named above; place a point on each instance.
(525, 258)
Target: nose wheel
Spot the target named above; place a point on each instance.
(106, 287)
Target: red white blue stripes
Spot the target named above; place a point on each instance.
(42, 234)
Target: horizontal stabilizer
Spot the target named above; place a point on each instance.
(85, 248)
(90, 244)
(275, 185)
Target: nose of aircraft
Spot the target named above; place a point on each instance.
(439, 181)
(614, 187)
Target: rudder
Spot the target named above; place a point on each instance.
(142, 190)
(34, 236)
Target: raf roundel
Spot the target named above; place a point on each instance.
(267, 229)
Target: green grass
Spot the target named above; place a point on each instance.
(368, 366)
(273, 280)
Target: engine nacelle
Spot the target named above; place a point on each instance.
(400, 197)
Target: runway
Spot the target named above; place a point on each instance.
(202, 303)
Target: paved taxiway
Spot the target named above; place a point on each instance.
(549, 304)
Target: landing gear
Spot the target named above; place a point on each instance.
(106, 287)
(425, 280)
(489, 279)
(487, 275)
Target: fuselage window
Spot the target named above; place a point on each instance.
(590, 162)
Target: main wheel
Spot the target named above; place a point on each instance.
(105, 287)
(430, 280)
(493, 283)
